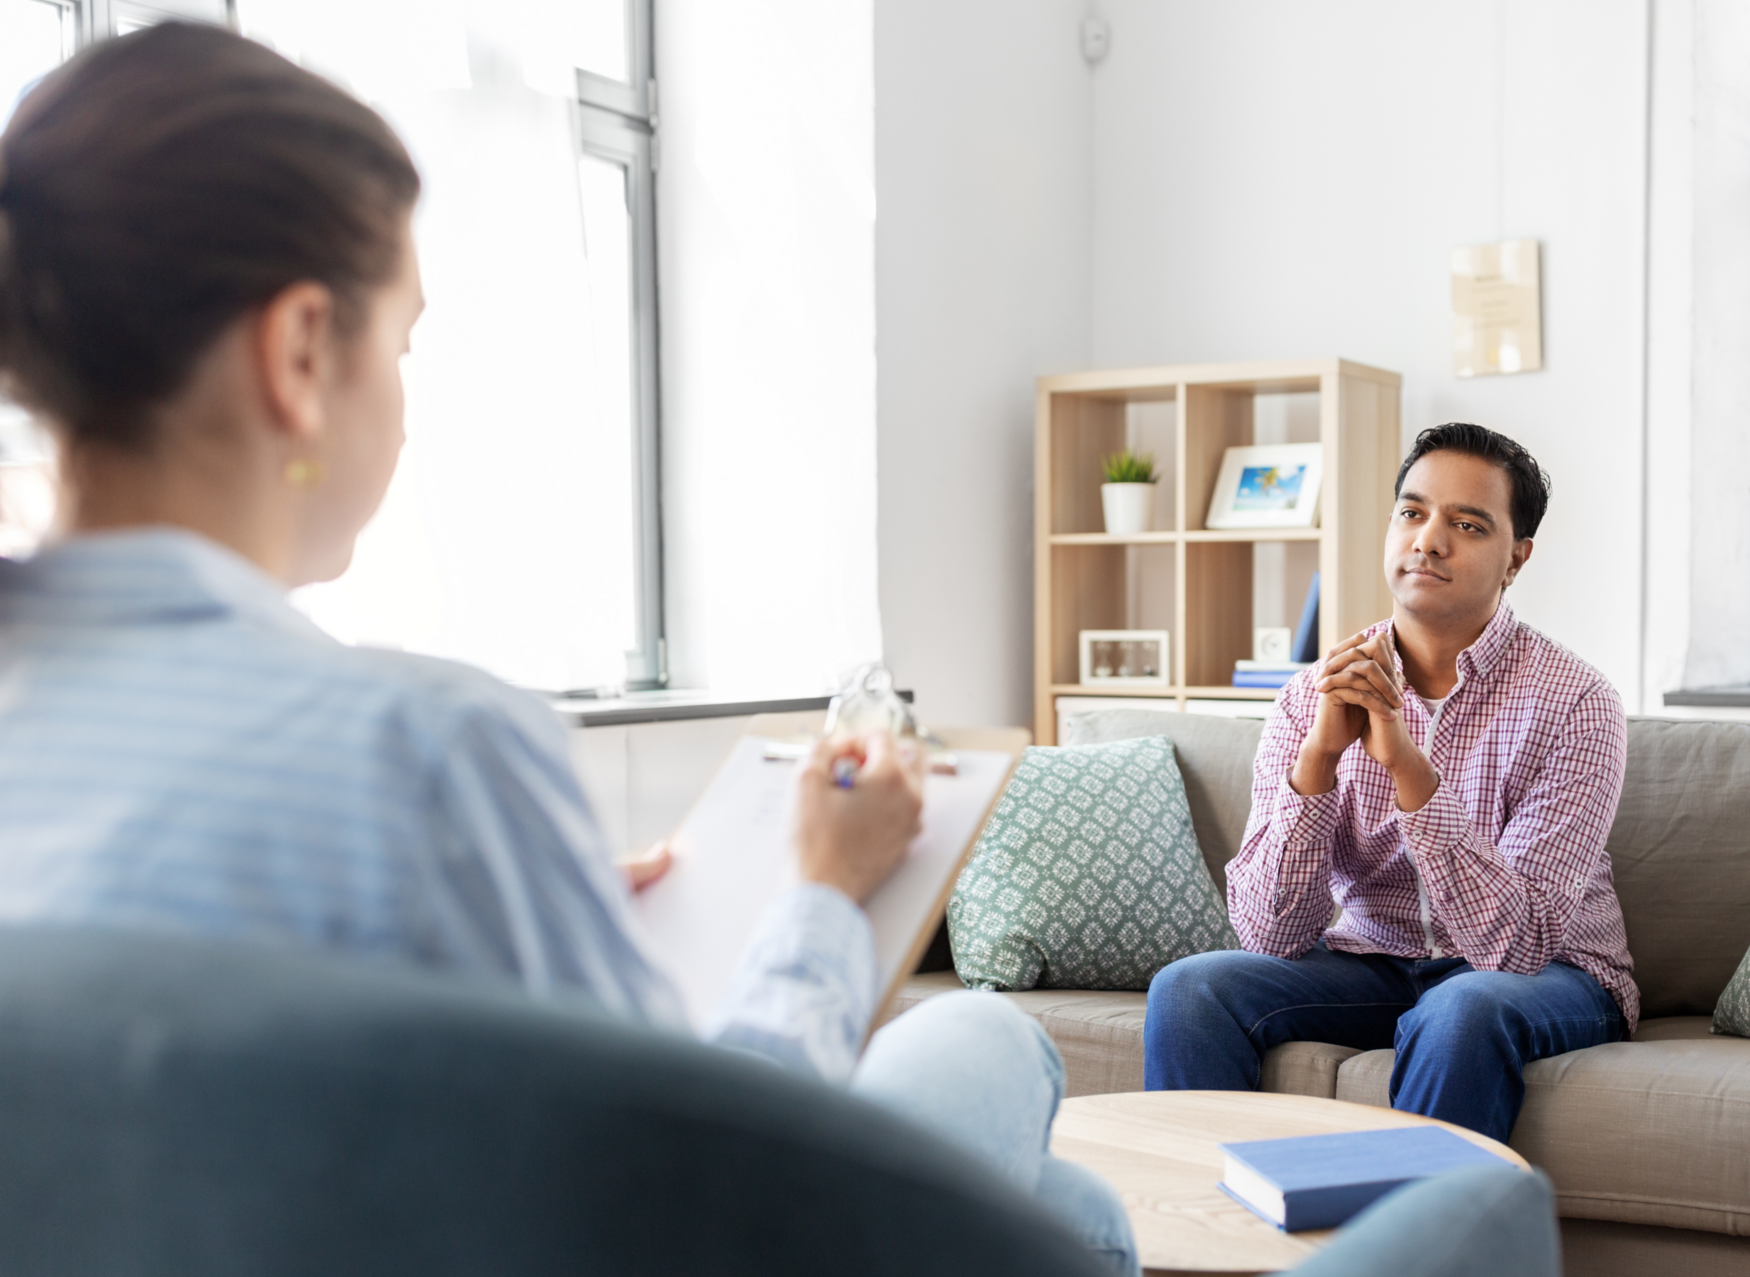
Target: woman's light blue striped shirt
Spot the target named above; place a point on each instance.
(180, 748)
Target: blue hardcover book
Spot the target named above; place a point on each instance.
(1321, 1181)
(1263, 678)
(1306, 634)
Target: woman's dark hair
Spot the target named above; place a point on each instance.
(159, 186)
(1529, 481)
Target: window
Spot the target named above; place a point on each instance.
(120, 17)
(521, 531)
(36, 36)
(616, 119)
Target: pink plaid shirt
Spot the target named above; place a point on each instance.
(1504, 866)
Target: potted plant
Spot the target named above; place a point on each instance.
(1128, 493)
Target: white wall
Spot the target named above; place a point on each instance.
(1267, 178)
(985, 189)
(766, 211)
(643, 778)
(1276, 179)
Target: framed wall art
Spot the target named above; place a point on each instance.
(1124, 658)
(1268, 486)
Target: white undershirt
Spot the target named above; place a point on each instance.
(1433, 707)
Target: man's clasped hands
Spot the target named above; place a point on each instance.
(1361, 698)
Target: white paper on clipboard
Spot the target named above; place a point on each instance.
(732, 858)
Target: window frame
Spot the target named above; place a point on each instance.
(99, 19)
(75, 9)
(617, 121)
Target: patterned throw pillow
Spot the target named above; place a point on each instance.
(1088, 875)
(1732, 1011)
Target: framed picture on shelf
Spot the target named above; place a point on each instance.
(1268, 486)
(1124, 658)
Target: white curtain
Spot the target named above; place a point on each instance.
(1719, 631)
(506, 538)
(766, 221)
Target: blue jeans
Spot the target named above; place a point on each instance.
(982, 1074)
(1463, 1036)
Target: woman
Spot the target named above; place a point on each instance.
(207, 278)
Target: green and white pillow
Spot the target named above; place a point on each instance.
(1087, 876)
(1732, 1011)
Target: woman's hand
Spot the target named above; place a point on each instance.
(643, 870)
(853, 837)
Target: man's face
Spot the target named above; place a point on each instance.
(1450, 549)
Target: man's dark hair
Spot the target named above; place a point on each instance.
(1529, 480)
(159, 186)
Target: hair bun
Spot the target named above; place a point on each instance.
(154, 189)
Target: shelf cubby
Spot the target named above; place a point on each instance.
(1195, 582)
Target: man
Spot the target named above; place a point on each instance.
(1448, 777)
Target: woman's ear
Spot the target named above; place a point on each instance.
(1521, 552)
(294, 350)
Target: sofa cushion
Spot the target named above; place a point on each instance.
(1645, 1132)
(1215, 760)
(1304, 1068)
(1680, 852)
(1087, 875)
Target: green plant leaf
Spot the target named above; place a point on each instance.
(1129, 467)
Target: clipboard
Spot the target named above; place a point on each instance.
(732, 858)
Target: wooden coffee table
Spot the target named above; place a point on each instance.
(1159, 1149)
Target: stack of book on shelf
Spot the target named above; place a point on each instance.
(1266, 673)
(1305, 649)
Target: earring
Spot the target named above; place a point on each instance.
(303, 474)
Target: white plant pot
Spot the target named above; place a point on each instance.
(1128, 506)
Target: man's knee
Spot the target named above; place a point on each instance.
(1475, 1006)
(1201, 979)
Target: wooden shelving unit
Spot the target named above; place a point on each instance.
(1086, 579)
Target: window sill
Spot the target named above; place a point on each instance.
(1711, 697)
(679, 706)
(674, 706)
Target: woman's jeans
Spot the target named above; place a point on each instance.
(1482, 1221)
(1463, 1036)
(982, 1074)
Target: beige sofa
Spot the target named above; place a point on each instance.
(1648, 1141)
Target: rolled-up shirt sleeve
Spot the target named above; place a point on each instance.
(517, 876)
(1279, 885)
(804, 990)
